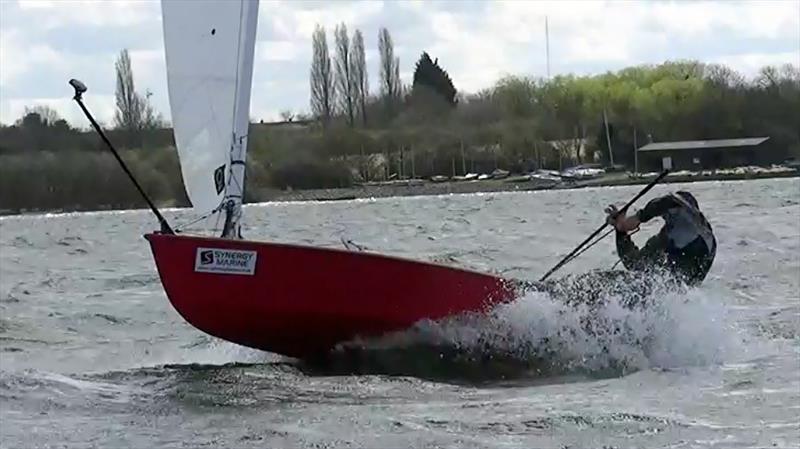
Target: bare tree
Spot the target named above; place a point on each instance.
(345, 84)
(47, 115)
(390, 68)
(322, 92)
(359, 70)
(151, 119)
(129, 106)
(287, 115)
(134, 112)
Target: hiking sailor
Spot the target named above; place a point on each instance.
(685, 245)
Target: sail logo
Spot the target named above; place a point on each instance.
(219, 179)
(225, 261)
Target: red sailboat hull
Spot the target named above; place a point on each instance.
(301, 301)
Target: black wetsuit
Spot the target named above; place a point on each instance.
(685, 245)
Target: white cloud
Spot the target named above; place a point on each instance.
(149, 68)
(43, 43)
(474, 58)
(272, 50)
(751, 19)
(18, 57)
(65, 13)
(292, 21)
(628, 32)
(266, 114)
(750, 63)
(414, 5)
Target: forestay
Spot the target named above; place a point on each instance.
(209, 48)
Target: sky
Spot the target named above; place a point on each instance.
(44, 43)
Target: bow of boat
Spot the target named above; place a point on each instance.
(301, 300)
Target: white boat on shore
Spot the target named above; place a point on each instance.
(589, 171)
(546, 175)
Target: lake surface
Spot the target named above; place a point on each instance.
(93, 355)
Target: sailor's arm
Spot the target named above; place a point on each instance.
(655, 208)
(627, 251)
(634, 258)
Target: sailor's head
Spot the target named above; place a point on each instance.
(688, 197)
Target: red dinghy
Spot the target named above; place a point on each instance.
(293, 300)
(301, 301)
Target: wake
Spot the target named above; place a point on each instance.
(542, 333)
(539, 335)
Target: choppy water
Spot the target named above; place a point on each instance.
(93, 355)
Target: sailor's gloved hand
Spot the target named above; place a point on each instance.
(620, 221)
(613, 215)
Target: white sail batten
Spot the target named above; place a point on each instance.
(209, 47)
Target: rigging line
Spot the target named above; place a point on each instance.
(596, 241)
(213, 211)
(218, 209)
(219, 215)
(216, 224)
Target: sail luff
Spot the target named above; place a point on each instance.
(241, 114)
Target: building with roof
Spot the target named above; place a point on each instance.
(707, 154)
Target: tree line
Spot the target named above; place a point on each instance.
(423, 128)
(339, 85)
(524, 122)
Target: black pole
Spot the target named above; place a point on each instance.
(569, 256)
(80, 88)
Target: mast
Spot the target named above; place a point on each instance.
(234, 193)
(547, 45)
(635, 152)
(608, 138)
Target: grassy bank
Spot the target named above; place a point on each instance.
(87, 180)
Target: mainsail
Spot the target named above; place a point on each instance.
(209, 47)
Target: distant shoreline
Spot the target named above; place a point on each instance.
(428, 188)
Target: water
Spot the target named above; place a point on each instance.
(93, 355)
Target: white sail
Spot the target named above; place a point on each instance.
(209, 47)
